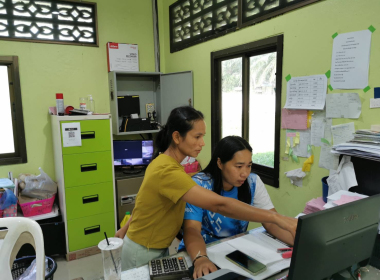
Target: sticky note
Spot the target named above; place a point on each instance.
(323, 140)
(297, 138)
(287, 78)
(295, 158)
(290, 151)
(309, 150)
(328, 74)
(334, 35)
(309, 116)
(287, 146)
(294, 119)
(371, 28)
(366, 88)
(307, 164)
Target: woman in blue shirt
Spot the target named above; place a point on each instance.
(228, 174)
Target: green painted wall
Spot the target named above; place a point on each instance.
(307, 51)
(76, 71)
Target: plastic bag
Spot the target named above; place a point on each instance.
(40, 186)
(8, 198)
(30, 272)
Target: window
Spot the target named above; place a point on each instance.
(12, 140)
(246, 101)
(48, 21)
(195, 21)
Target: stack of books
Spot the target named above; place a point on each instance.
(366, 144)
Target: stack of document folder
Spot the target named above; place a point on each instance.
(366, 144)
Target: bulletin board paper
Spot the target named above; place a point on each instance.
(350, 60)
(308, 92)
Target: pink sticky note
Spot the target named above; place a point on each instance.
(294, 119)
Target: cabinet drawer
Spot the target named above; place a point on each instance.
(87, 169)
(95, 134)
(89, 200)
(89, 231)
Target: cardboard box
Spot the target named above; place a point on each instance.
(82, 253)
(122, 57)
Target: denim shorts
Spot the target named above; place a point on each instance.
(135, 255)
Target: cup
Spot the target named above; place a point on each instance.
(111, 257)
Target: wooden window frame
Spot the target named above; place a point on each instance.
(270, 176)
(20, 155)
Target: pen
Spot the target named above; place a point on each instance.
(282, 250)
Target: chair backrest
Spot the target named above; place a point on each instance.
(20, 231)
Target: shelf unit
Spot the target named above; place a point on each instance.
(165, 91)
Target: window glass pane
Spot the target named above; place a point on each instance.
(262, 108)
(6, 139)
(232, 97)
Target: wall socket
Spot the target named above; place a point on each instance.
(149, 107)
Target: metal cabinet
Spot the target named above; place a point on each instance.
(165, 91)
(126, 192)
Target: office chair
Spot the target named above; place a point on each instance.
(19, 232)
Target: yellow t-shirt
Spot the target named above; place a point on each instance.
(158, 213)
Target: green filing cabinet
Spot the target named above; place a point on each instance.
(85, 177)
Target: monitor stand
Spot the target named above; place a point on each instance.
(132, 170)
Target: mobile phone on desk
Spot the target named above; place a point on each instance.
(246, 262)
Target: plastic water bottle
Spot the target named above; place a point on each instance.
(125, 219)
(91, 104)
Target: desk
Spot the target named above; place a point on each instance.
(372, 274)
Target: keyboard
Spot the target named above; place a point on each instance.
(169, 268)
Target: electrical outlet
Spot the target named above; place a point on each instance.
(149, 108)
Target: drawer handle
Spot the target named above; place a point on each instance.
(91, 230)
(88, 167)
(87, 135)
(90, 198)
(128, 199)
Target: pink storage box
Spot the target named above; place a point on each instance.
(191, 167)
(11, 211)
(37, 207)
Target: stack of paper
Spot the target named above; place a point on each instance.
(342, 197)
(366, 144)
(257, 245)
(314, 205)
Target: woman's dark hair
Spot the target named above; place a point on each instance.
(225, 150)
(181, 119)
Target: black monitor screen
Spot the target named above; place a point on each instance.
(134, 152)
(332, 240)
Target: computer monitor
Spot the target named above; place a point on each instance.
(333, 240)
(132, 152)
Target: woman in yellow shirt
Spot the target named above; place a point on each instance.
(161, 200)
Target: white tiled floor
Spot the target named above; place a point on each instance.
(89, 268)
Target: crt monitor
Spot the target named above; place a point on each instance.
(332, 240)
(132, 152)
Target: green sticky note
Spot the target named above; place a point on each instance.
(367, 89)
(328, 74)
(334, 35)
(323, 140)
(372, 29)
(330, 87)
(295, 158)
(287, 78)
(290, 152)
(290, 130)
(309, 150)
